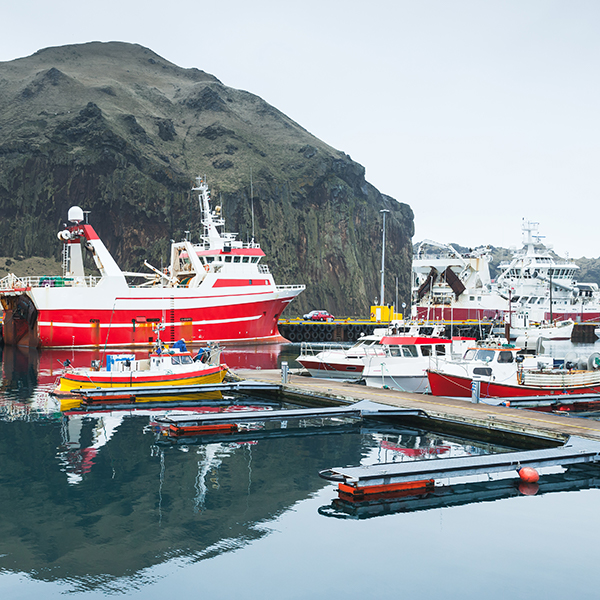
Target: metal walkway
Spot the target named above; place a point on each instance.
(576, 450)
(360, 410)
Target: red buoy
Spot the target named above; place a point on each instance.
(529, 475)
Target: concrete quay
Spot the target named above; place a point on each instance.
(518, 427)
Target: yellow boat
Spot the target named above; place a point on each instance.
(174, 367)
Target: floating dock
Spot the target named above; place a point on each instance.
(577, 450)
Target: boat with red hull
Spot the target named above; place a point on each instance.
(495, 370)
(216, 290)
(442, 384)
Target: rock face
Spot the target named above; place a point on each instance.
(121, 132)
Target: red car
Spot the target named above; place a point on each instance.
(318, 315)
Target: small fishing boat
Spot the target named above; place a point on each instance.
(335, 361)
(403, 361)
(174, 366)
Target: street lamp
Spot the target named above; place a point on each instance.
(383, 211)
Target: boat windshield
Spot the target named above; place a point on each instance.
(181, 360)
(485, 355)
(410, 351)
(506, 356)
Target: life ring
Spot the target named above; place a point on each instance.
(206, 268)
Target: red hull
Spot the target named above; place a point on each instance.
(442, 384)
(243, 323)
(445, 313)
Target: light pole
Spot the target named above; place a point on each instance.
(383, 211)
(550, 273)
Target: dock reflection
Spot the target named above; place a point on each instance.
(574, 479)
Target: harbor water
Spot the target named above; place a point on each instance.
(99, 504)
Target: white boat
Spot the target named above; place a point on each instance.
(215, 290)
(336, 361)
(534, 287)
(405, 359)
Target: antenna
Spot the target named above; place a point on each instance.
(252, 202)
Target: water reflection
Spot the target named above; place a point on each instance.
(573, 479)
(94, 500)
(100, 502)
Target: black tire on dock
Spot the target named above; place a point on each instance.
(329, 336)
(291, 336)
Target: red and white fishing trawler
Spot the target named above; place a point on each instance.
(501, 371)
(216, 290)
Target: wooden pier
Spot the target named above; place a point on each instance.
(446, 415)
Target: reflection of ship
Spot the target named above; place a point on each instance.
(215, 290)
(535, 284)
(575, 478)
(139, 505)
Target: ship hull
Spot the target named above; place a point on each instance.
(446, 313)
(87, 318)
(454, 386)
(108, 379)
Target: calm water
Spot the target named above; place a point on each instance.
(98, 505)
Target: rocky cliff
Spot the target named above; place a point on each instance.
(121, 132)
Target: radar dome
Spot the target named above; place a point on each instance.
(75, 214)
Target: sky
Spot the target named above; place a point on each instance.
(476, 113)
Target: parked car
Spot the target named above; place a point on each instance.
(318, 315)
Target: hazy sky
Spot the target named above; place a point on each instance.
(476, 113)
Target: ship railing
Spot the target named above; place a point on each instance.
(11, 281)
(314, 348)
(284, 288)
(263, 270)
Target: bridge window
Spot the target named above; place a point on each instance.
(426, 350)
(410, 351)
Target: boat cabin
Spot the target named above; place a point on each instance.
(415, 346)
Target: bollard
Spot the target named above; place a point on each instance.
(475, 390)
(284, 372)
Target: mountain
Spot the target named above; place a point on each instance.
(121, 132)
